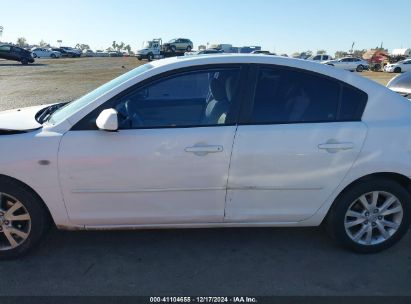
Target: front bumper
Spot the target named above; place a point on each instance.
(389, 69)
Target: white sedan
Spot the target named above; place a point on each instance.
(44, 53)
(214, 141)
(399, 67)
(349, 63)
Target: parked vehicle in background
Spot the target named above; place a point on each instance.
(101, 53)
(212, 142)
(349, 63)
(154, 49)
(88, 53)
(320, 58)
(260, 52)
(15, 53)
(401, 84)
(45, 53)
(115, 54)
(178, 44)
(71, 52)
(204, 52)
(376, 59)
(225, 47)
(399, 67)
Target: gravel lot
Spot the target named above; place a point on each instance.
(56, 80)
(184, 262)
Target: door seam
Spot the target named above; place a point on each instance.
(228, 173)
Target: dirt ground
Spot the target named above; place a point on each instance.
(57, 80)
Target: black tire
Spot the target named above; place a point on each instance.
(150, 57)
(173, 48)
(24, 61)
(360, 68)
(53, 56)
(34, 55)
(189, 48)
(335, 221)
(397, 70)
(40, 219)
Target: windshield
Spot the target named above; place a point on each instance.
(147, 44)
(172, 41)
(66, 111)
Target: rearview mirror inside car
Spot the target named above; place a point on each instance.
(108, 120)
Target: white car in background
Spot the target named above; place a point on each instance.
(320, 58)
(44, 53)
(399, 67)
(88, 53)
(349, 63)
(212, 141)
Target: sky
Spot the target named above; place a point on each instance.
(281, 26)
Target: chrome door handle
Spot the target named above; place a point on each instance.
(204, 150)
(336, 147)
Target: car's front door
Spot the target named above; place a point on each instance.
(299, 137)
(167, 164)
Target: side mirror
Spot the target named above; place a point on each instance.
(108, 120)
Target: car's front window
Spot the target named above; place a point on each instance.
(66, 111)
(189, 99)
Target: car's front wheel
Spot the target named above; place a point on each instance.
(397, 70)
(23, 219)
(360, 68)
(371, 215)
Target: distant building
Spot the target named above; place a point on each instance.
(402, 52)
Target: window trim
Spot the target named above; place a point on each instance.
(240, 100)
(247, 108)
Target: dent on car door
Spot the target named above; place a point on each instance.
(168, 164)
(301, 136)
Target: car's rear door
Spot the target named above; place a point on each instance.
(299, 136)
(168, 163)
(5, 52)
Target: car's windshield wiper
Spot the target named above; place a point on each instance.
(45, 114)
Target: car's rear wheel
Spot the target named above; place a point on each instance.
(23, 219)
(189, 48)
(397, 70)
(360, 68)
(370, 216)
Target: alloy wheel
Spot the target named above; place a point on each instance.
(15, 222)
(373, 218)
